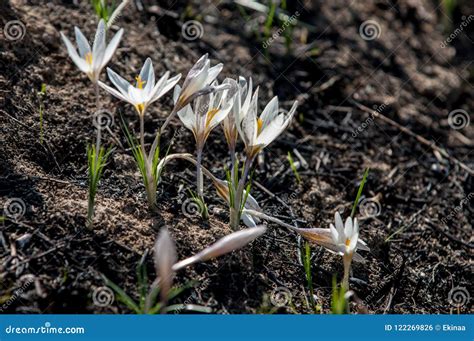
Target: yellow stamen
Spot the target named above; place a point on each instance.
(140, 108)
(348, 242)
(259, 126)
(88, 58)
(210, 115)
(140, 82)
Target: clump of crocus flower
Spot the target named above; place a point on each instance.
(141, 95)
(257, 132)
(206, 113)
(91, 61)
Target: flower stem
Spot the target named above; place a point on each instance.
(142, 135)
(236, 210)
(149, 181)
(199, 175)
(347, 259)
(94, 167)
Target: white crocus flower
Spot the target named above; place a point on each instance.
(346, 238)
(145, 91)
(259, 132)
(92, 61)
(205, 114)
(242, 93)
(196, 83)
(199, 77)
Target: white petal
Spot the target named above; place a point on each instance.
(82, 43)
(339, 223)
(246, 97)
(155, 93)
(251, 202)
(334, 234)
(187, 116)
(196, 78)
(219, 117)
(114, 92)
(121, 84)
(276, 127)
(348, 227)
(170, 83)
(247, 125)
(176, 92)
(353, 243)
(110, 50)
(80, 63)
(213, 72)
(98, 49)
(248, 220)
(147, 75)
(137, 96)
(270, 112)
(196, 69)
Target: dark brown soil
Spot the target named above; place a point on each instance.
(421, 242)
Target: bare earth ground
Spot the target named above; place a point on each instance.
(418, 202)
